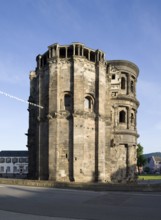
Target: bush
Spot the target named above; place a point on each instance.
(147, 170)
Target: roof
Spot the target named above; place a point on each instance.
(13, 153)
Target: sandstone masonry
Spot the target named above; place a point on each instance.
(87, 128)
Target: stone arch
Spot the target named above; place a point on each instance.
(88, 103)
(66, 101)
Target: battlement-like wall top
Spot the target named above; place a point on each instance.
(68, 51)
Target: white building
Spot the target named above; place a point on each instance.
(13, 164)
(154, 164)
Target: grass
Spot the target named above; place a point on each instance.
(149, 177)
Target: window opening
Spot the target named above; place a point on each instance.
(8, 169)
(86, 53)
(76, 50)
(122, 83)
(70, 52)
(14, 169)
(113, 76)
(88, 103)
(92, 56)
(1, 169)
(132, 118)
(62, 52)
(132, 86)
(67, 101)
(122, 117)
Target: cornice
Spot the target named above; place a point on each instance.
(124, 63)
(126, 98)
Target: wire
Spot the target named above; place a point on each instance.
(20, 100)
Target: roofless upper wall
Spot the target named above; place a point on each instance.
(68, 51)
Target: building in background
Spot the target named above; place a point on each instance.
(87, 128)
(154, 164)
(14, 164)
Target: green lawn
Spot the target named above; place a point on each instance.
(149, 177)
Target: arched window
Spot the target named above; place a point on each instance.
(122, 83)
(122, 116)
(132, 86)
(67, 101)
(88, 103)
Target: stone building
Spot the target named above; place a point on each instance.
(87, 128)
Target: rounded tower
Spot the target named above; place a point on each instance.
(122, 88)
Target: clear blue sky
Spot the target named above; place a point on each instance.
(123, 29)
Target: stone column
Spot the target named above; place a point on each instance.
(128, 84)
(73, 49)
(88, 54)
(78, 50)
(53, 52)
(66, 52)
(50, 52)
(57, 51)
(82, 51)
(128, 117)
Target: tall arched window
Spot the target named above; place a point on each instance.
(122, 116)
(88, 103)
(122, 83)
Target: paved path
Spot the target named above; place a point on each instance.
(30, 203)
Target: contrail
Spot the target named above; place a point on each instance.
(21, 100)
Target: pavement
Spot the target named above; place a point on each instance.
(36, 203)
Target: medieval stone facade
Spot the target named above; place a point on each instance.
(86, 130)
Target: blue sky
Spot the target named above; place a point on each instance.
(123, 29)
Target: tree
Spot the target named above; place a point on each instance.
(141, 160)
(147, 169)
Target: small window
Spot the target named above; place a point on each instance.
(67, 101)
(15, 169)
(14, 160)
(2, 160)
(122, 83)
(132, 118)
(8, 160)
(21, 160)
(113, 76)
(122, 117)
(1, 169)
(26, 160)
(88, 104)
(132, 86)
(8, 169)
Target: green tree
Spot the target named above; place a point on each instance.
(141, 160)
